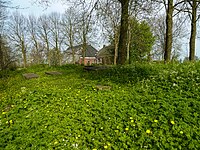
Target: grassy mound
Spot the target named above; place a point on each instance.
(149, 106)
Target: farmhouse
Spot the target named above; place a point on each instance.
(106, 55)
(90, 55)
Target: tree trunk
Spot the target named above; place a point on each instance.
(129, 42)
(37, 50)
(169, 28)
(58, 56)
(84, 48)
(48, 51)
(116, 45)
(24, 54)
(122, 47)
(71, 44)
(1, 54)
(73, 52)
(193, 31)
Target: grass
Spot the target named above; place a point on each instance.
(149, 106)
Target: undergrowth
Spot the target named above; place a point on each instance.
(149, 106)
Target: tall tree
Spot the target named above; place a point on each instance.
(18, 29)
(33, 31)
(170, 6)
(192, 10)
(110, 22)
(57, 39)
(69, 25)
(158, 24)
(141, 41)
(44, 34)
(123, 38)
(86, 24)
(2, 22)
(7, 55)
(169, 30)
(140, 10)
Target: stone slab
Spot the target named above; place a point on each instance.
(102, 87)
(95, 68)
(53, 73)
(30, 75)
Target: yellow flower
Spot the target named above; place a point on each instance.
(3, 113)
(131, 118)
(126, 129)
(56, 142)
(148, 131)
(181, 132)
(94, 149)
(11, 121)
(105, 146)
(155, 121)
(172, 122)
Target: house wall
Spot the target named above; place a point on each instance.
(88, 60)
(106, 60)
(69, 58)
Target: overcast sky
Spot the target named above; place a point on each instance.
(28, 7)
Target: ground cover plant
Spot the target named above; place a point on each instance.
(149, 106)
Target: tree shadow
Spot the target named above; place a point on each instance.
(121, 74)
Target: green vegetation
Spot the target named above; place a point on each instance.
(149, 106)
(141, 40)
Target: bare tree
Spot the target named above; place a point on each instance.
(158, 24)
(33, 31)
(44, 34)
(7, 54)
(57, 39)
(69, 25)
(85, 25)
(170, 7)
(110, 21)
(191, 7)
(18, 34)
(2, 22)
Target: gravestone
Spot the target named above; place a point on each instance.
(102, 87)
(30, 75)
(53, 73)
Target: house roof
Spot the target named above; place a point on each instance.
(106, 51)
(90, 50)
